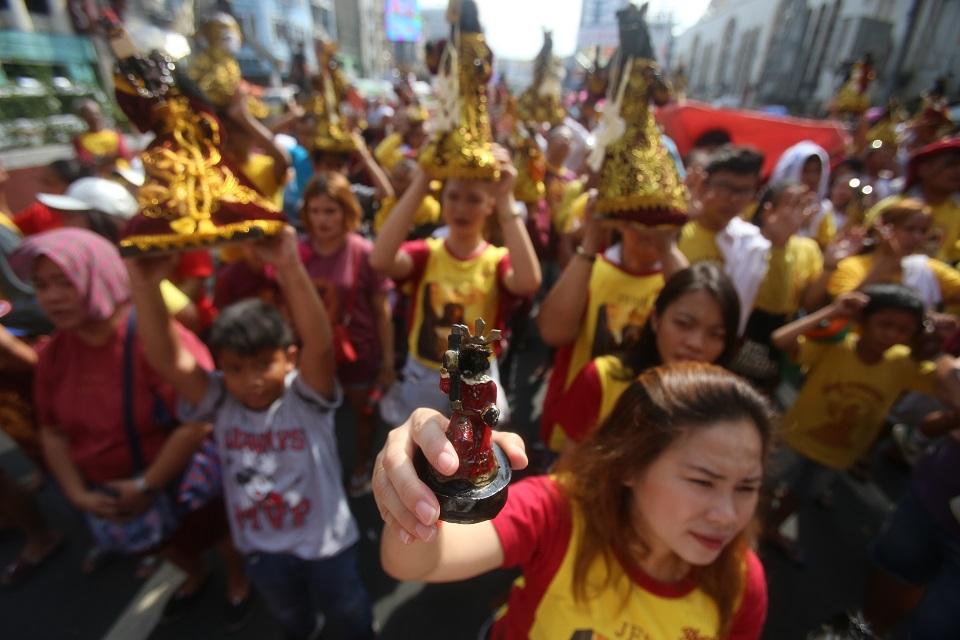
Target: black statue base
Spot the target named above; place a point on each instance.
(463, 502)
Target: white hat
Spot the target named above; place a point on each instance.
(132, 172)
(93, 193)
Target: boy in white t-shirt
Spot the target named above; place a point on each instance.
(273, 422)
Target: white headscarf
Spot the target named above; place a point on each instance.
(790, 165)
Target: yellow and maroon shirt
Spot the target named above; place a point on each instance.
(617, 308)
(539, 532)
(592, 395)
(449, 290)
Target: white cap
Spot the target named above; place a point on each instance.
(132, 172)
(93, 193)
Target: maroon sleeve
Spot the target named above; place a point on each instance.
(752, 613)
(419, 252)
(536, 512)
(578, 408)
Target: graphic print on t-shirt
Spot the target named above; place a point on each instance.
(327, 291)
(619, 326)
(270, 497)
(443, 307)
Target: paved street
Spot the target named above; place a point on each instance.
(61, 604)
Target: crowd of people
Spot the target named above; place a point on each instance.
(709, 376)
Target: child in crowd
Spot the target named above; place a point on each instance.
(849, 389)
(901, 233)
(355, 297)
(643, 532)
(273, 422)
(456, 280)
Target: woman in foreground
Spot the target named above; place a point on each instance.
(643, 531)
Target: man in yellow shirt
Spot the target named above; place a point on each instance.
(98, 147)
(770, 266)
(849, 389)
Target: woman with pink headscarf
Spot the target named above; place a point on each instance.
(104, 429)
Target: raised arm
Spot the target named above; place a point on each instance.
(373, 169)
(240, 115)
(786, 338)
(158, 335)
(561, 312)
(386, 257)
(523, 278)
(309, 316)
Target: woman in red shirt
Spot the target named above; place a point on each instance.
(80, 381)
(643, 532)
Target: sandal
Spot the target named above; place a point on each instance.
(18, 571)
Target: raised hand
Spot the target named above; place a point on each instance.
(849, 305)
(402, 499)
(279, 250)
(508, 173)
(151, 270)
(847, 243)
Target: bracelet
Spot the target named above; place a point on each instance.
(589, 257)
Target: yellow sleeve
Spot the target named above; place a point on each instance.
(949, 280)
(7, 222)
(380, 217)
(827, 230)
(428, 212)
(848, 276)
(698, 244)
(175, 300)
(387, 152)
(921, 376)
(810, 352)
(774, 293)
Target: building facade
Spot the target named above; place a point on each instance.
(598, 28)
(795, 53)
(362, 39)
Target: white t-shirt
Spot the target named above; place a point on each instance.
(281, 473)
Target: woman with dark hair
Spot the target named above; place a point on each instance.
(644, 531)
(337, 259)
(694, 319)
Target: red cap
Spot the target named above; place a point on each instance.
(925, 153)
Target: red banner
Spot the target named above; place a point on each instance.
(770, 134)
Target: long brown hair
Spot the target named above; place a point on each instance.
(657, 408)
(336, 187)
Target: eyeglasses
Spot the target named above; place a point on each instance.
(733, 190)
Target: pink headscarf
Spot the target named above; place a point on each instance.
(90, 262)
